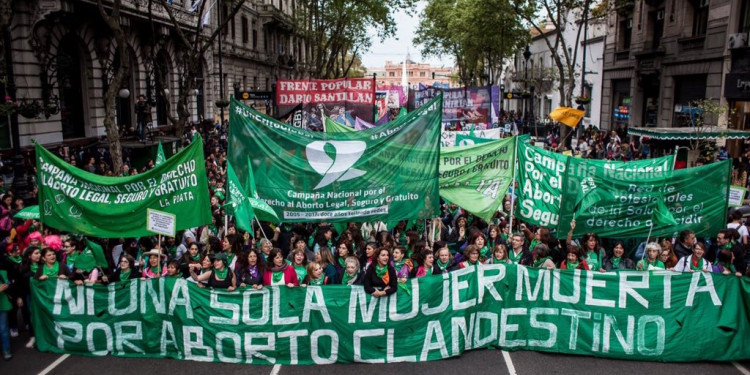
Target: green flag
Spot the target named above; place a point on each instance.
(261, 209)
(477, 177)
(160, 158)
(635, 201)
(540, 181)
(97, 252)
(77, 201)
(387, 172)
(334, 127)
(237, 203)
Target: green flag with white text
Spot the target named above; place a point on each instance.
(477, 177)
(540, 180)
(385, 173)
(77, 201)
(630, 202)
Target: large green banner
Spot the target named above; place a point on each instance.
(477, 177)
(541, 173)
(77, 201)
(636, 202)
(652, 316)
(384, 173)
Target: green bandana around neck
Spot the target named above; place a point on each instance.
(442, 265)
(538, 263)
(347, 280)
(318, 281)
(695, 267)
(616, 262)
(15, 259)
(398, 265)
(221, 275)
(381, 270)
(51, 271)
(572, 265)
(125, 275)
(513, 257)
(277, 276)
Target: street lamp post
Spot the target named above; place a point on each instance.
(526, 56)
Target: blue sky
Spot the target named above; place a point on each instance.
(394, 49)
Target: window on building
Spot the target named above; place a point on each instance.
(255, 38)
(656, 21)
(411, 74)
(700, 17)
(687, 89)
(224, 13)
(423, 74)
(744, 17)
(391, 74)
(624, 33)
(231, 27)
(281, 5)
(268, 86)
(245, 29)
(255, 83)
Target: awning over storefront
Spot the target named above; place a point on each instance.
(689, 133)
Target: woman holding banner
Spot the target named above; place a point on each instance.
(591, 246)
(651, 262)
(444, 262)
(694, 262)
(380, 279)
(220, 277)
(401, 264)
(249, 270)
(427, 263)
(124, 272)
(155, 267)
(279, 272)
(191, 260)
(299, 262)
(50, 267)
(541, 257)
(325, 258)
(618, 261)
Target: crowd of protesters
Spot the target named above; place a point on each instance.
(376, 255)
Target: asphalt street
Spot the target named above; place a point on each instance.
(477, 362)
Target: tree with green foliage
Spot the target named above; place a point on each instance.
(478, 34)
(562, 15)
(337, 31)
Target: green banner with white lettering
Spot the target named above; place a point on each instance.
(540, 180)
(477, 177)
(384, 173)
(77, 201)
(662, 201)
(649, 316)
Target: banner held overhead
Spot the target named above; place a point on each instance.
(385, 173)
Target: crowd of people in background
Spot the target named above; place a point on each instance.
(376, 255)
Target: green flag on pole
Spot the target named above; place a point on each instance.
(477, 177)
(237, 203)
(262, 210)
(98, 253)
(385, 173)
(160, 158)
(77, 201)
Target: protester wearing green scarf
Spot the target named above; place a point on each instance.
(50, 267)
(314, 274)
(352, 275)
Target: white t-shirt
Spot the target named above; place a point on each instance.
(740, 228)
